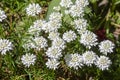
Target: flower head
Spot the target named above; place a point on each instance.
(33, 9)
(88, 39)
(5, 45)
(66, 3)
(53, 35)
(80, 23)
(58, 43)
(89, 57)
(52, 64)
(55, 16)
(74, 60)
(76, 11)
(39, 42)
(106, 46)
(54, 52)
(52, 26)
(103, 62)
(36, 28)
(69, 36)
(28, 59)
(82, 3)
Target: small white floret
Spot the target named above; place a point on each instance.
(52, 64)
(28, 59)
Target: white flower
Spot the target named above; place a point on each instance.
(54, 52)
(89, 58)
(82, 3)
(37, 27)
(88, 39)
(74, 60)
(57, 8)
(53, 35)
(39, 42)
(55, 16)
(5, 45)
(81, 31)
(52, 64)
(69, 36)
(80, 23)
(28, 59)
(76, 11)
(52, 26)
(103, 63)
(66, 3)
(58, 43)
(106, 46)
(2, 15)
(33, 9)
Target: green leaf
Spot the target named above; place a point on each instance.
(117, 2)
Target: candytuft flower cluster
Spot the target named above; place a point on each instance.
(61, 41)
(55, 37)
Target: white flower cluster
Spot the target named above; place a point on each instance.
(58, 43)
(52, 63)
(82, 3)
(74, 60)
(55, 16)
(75, 10)
(53, 35)
(69, 36)
(52, 26)
(28, 59)
(54, 22)
(88, 39)
(89, 58)
(36, 28)
(52, 31)
(54, 52)
(106, 46)
(80, 23)
(66, 3)
(5, 45)
(2, 15)
(39, 43)
(33, 9)
(103, 62)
